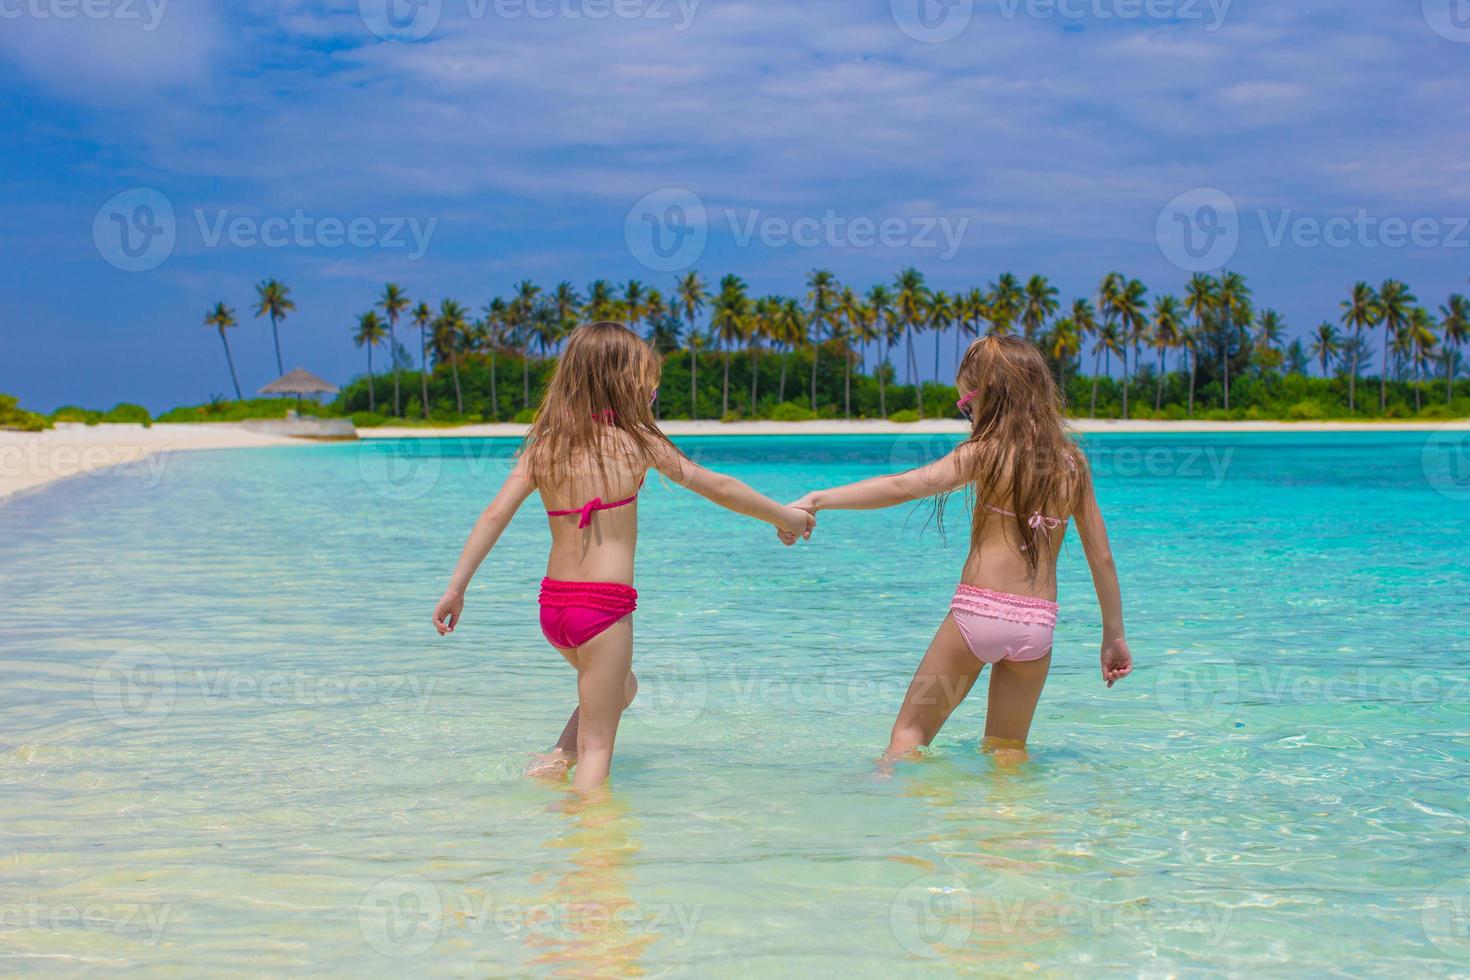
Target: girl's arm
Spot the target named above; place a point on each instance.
(1117, 660)
(940, 476)
(487, 530)
(731, 494)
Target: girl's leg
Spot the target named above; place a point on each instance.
(1014, 690)
(604, 679)
(563, 755)
(944, 677)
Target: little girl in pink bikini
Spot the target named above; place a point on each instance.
(588, 453)
(1029, 479)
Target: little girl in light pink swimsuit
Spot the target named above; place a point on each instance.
(1029, 479)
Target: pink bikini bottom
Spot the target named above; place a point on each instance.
(572, 613)
(999, 626)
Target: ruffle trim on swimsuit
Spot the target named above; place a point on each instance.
(607, 596)
(1027, 610)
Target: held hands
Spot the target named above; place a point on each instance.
(1117, 660)
(797, 523)
(448, 612)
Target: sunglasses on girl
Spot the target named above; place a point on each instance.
(964, 406)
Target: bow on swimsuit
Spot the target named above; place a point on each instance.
(573, 613)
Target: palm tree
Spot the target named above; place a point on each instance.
(393, 304)
(1269, 332)
(690, 295)
(1456, 327)
(910, 302)
(762, 327)
(1394, 303)
(568, 306)
(822, 296)
(524, 307)
(1168, 322)
(791, 333)
(222, 318)
(1130, 306)
(1362, 312)
(731, 307)
(1040, 305)
(1109, 293)
(449, 330)
(1006, 301)
(1233, 307)
(971, 310)
(1200, 299)
(423, 317)
(865, 331)
(942, 315)
(602, 303)
(495, 327)
(850, 311)
(1109, 342)
(1065, 344)
(273, 299)
(1326, 346)
(880, 301)
(1422, 341)
(635, 301)
(370, 333)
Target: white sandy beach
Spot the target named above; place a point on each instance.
(32, 459)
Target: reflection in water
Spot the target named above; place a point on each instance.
(593, 926)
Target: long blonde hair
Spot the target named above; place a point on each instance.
(1021, 454)
(603, 383)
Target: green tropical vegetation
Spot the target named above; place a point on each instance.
(839, 351)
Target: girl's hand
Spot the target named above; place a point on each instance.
(1117, 660)
(796, 523)
(447, 612)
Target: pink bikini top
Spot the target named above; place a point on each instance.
(1036, 521)
(595, 504)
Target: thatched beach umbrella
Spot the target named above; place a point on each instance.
(299, 382)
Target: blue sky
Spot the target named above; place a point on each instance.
(519, 136)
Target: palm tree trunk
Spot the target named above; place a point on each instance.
(1353, 377)
(230, 360)
(1193, 368)
(693, 384)
(458, 397)
(781, 393)
(424, 369)
(725, 397)
(1159, 393)
(1124, 354)
(755, 377)
(846, 382)
(372, 394)
(1383, 375)
(1449, 372)
(276, 336)
(816, 354)
(936, 356)
(393, 353)
(882, 395)
(1096, 362)
(494, 398)
(525, 377)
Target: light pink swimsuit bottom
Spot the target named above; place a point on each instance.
(999, 626)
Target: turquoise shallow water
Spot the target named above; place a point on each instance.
(230, 741)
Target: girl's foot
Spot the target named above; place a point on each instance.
(553, 765)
